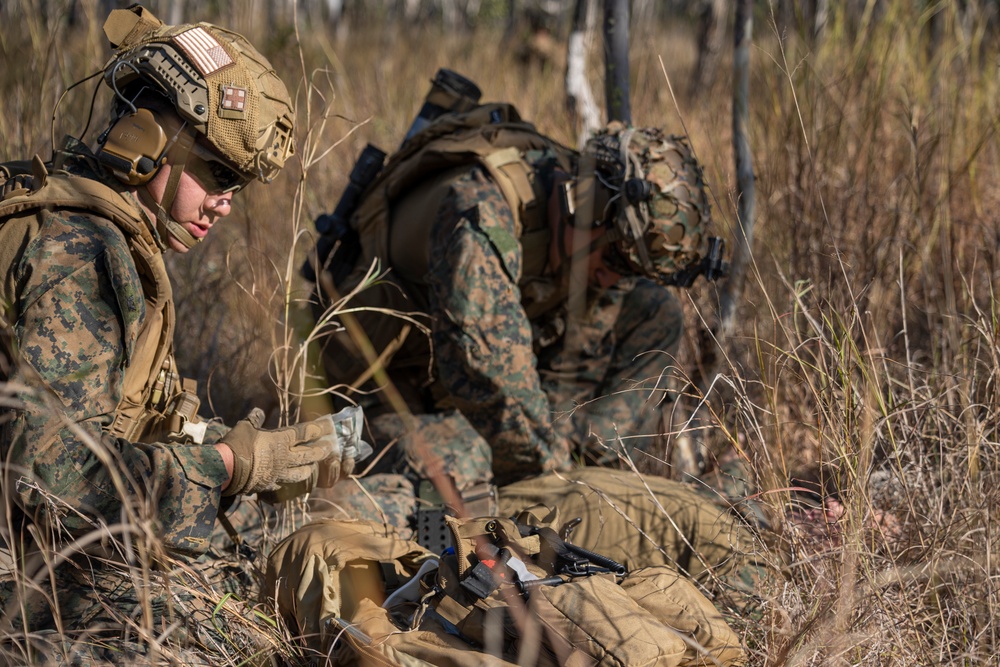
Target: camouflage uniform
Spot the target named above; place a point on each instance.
(486, 346)
(499, 376)
(507, 373)
(81, 315)
(111, 485)
(83, 310)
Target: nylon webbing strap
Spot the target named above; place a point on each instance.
(509, 172)
(242, 548)
(454, 611)
(127, 427)
(637, 216)
(184, 143)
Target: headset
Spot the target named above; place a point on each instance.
(134, 147)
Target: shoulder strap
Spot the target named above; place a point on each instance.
(491, 135)
(62, 190)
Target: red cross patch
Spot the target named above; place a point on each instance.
(234, 98)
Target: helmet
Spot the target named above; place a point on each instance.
(217, 82)
(656, 199)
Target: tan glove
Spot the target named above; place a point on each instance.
(266, 460)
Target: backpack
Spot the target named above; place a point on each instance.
(492, 136)
(509, 593)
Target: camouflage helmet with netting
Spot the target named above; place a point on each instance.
(218, 83)
(661, 212)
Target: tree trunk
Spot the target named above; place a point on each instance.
(175, 12)
(689, 448)
(745, 188)
(616, 85)
(711, 34)
(579, 97)
(820, 18)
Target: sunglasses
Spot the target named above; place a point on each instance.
(213, 174)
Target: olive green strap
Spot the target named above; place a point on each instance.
(183, 147)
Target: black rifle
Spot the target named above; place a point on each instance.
(336, 227)
(712, 266)
(571, 559)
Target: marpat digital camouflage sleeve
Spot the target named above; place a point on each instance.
(481, 334)
(70, 336)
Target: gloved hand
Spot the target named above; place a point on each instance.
(341, 450)
(266, 460)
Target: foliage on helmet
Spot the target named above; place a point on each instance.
(660, 226)
(215, 79)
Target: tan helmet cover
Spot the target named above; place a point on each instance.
(217, 81)
(662, 235)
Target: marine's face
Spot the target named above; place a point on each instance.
(195, 209)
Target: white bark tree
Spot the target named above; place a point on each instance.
(579, 97)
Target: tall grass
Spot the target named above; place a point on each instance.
(867, 354)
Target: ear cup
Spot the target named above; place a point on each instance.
(133, 148)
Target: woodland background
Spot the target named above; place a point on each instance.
(866, 354)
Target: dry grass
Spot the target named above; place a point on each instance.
(867, 352)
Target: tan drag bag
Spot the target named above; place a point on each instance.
(651, 617)
(642, 521)
(322, 571)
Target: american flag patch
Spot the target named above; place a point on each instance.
(234, 97)
(203, 49)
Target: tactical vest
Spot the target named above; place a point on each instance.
(395, 218)
(154, 402)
